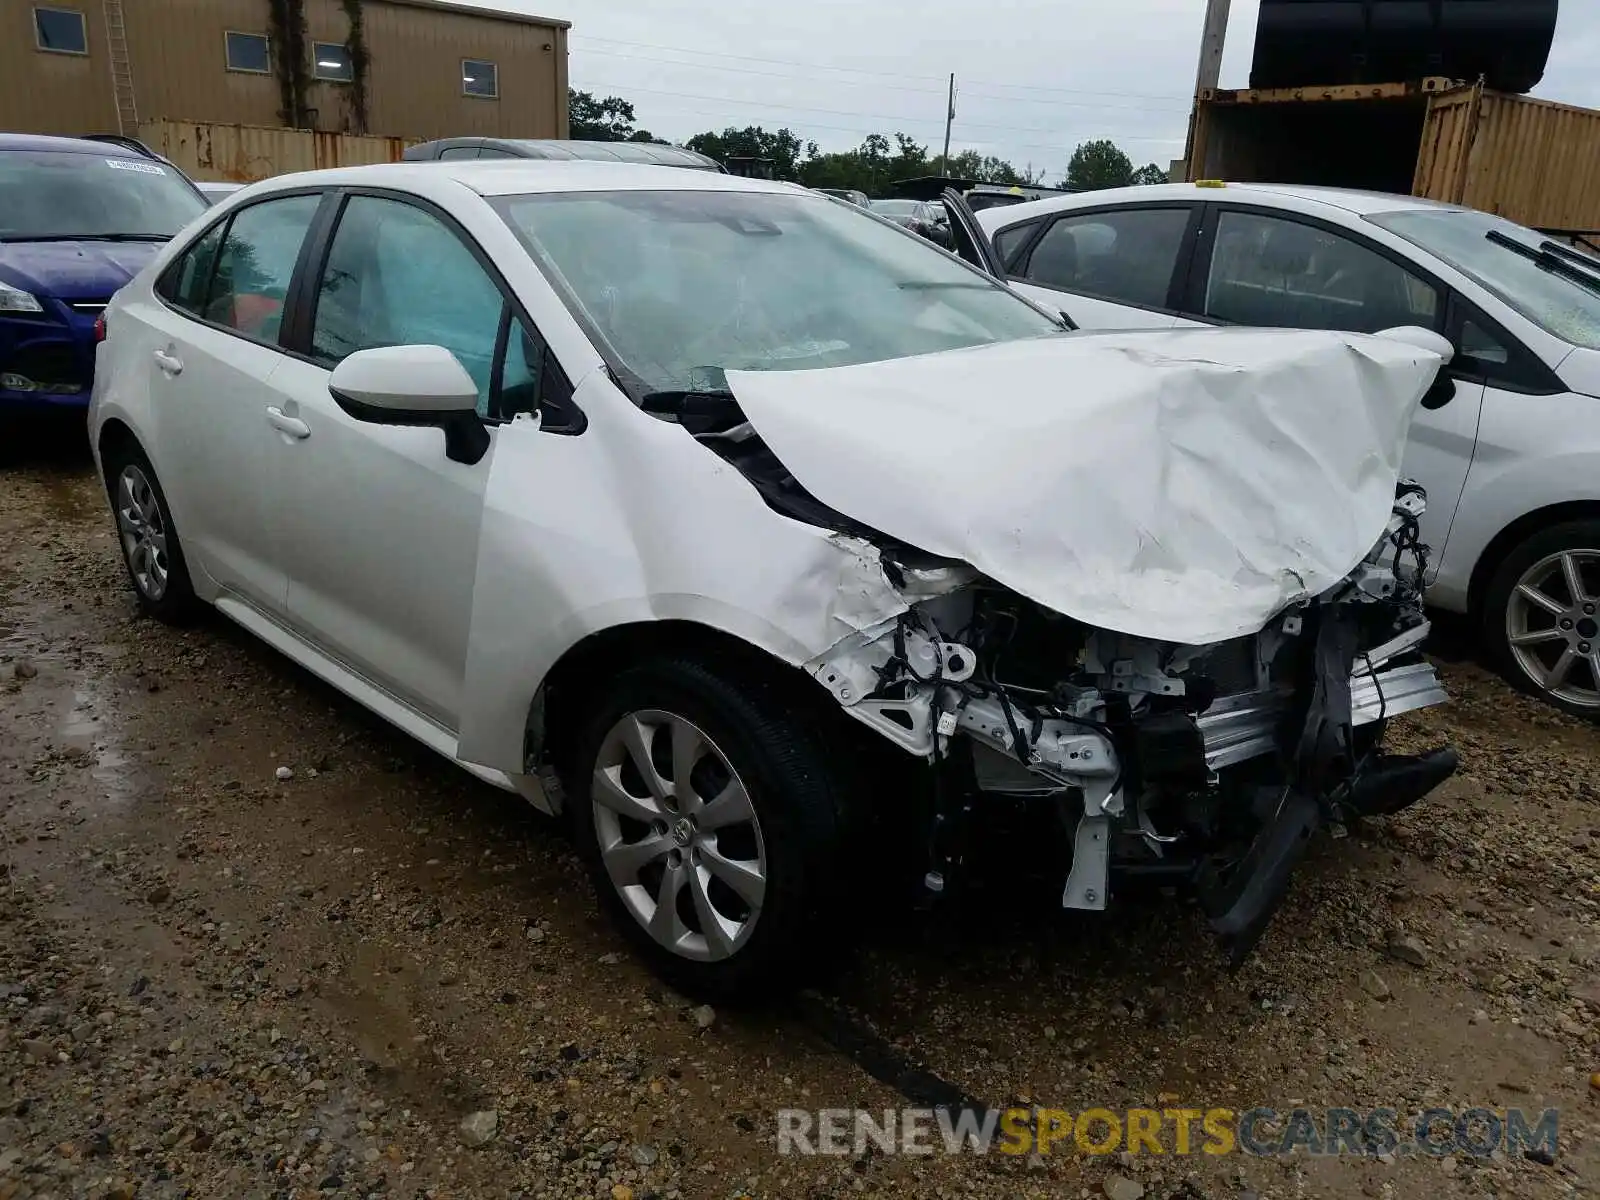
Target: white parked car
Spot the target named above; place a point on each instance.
(746, 528)
(1510, 460)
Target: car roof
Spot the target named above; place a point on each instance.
(65, 145)
(565, 149)
(516, 176)
(1286, 195)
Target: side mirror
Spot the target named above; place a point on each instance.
(414, 385)
(1441, 393)
(1422, 339)
(1444, 387)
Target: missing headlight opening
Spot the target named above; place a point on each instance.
(1210, 765)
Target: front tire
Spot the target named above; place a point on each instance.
(151, 551)
(712, 824)
(1541, 617)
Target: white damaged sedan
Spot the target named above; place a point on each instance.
(742, 527)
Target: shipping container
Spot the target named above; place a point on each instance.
(246, 153)
(1531, 161)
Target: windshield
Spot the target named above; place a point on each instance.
(896, 208)
(46, 195)
(683, 285)
(1550, 299)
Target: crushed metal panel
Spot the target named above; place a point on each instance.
(1100, 475)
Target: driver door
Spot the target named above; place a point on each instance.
(380, 528)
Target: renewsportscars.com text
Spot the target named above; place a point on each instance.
(1261, 1131)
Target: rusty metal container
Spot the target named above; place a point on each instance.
(1532, 161)
(245, 153)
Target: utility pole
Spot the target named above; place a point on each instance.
(1209, 73)
(1212, 35)
(949, 119)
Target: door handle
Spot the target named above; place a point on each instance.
(285, 424)
(169, 363)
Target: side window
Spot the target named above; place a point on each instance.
(398, 276)
(187, 280)
(255, 264)
(491, 152)
(531, 381)
(1482, 348)
(1127, 256)
(1008, 241)
(1271, 271)
(458, 152)
(1488, 353)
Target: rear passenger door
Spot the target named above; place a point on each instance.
(214, 347)
(1113, 268)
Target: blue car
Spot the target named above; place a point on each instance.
(78, 219)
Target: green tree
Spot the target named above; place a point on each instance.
(782, 146)
(970, 164)
(1098, 164)
(1149, 174)
(610, 120)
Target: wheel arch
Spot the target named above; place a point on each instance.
(1513, 535)
(116, 435)
(559, 705)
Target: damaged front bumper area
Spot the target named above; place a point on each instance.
(1209, 765)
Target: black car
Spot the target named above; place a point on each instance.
(551, 148)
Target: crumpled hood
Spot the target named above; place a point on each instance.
(1178, 485)
(74, 270)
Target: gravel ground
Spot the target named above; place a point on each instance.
(380, 978)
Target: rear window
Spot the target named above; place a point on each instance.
(48, 195)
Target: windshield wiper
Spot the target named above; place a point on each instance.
(928, 285)
(1552, 257)
(86, 237)
(709, 411)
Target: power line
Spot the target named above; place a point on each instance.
(891, 86)
(767, 74)
(959, 147)
(835, 112)
(815, 66)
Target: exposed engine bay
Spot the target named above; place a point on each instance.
(1212, 762)
(1217, 762)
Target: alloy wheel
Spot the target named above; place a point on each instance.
(678, 835)
(1553, 626)
(143, 528)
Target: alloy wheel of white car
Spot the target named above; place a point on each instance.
(1541, 616)
(678, 835)
(709, 804)
(1553, 626)
(151, 548)
(143, 528)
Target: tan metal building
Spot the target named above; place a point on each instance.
(399, 68)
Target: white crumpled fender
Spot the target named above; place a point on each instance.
(1180, 485)
(634, 521)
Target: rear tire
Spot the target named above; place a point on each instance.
(1541, 617)
(151, 551)
(722, 870)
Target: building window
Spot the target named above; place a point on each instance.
(60, 30)
(250, 53)
(331, 61)
(479, 78)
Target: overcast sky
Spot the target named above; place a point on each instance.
(1033, 77)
